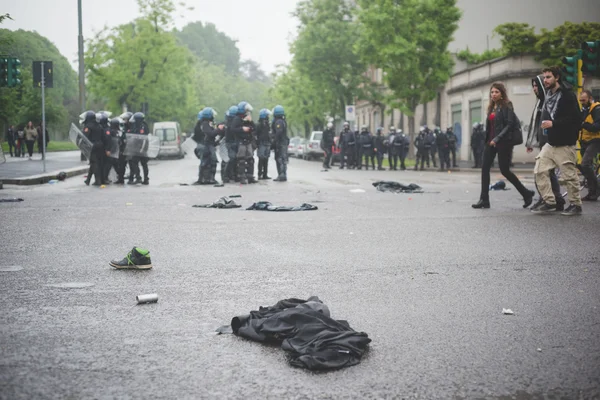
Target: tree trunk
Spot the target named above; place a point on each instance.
(438, 111)
(306, 129)
(411, 130)
(392, 118)
(382, 115)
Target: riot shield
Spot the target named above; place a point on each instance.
(189, 146)
(80, 141)
(142, 145)
(223, 152)
(114, 147)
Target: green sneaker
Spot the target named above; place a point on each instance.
(137, 258)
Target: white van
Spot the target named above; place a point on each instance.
(169, 134)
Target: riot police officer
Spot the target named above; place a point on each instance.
(477, 144)
(232, 147)
(430, 140)
(141, 128)
(327, 143)
(263, 137)
(442, 145)
(422, 149)
(132, 161)
(281, 139)
(208, 164)
(365, 142)
(379, 147)
(389, 143)
(348, 146)
(100, 141)
(452, 142)
(114, 132)
(243, 129)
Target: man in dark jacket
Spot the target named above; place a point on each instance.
(536, 138)
(590, 142)
(379, 148)
(11, 138)
(327, 143)
(561, 122)
(477, 144)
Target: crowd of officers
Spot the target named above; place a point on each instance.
(361, 147)
(103, 134)
(236, 139)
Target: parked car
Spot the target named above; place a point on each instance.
(313, 146)
(293, 146)
(169, 134)
(301, 148)
(335, 156)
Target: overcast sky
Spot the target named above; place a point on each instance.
(263, 28)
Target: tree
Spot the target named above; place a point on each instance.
(211, 46)
(324, 51)
(564, 40)
(408, 40)
(517, 38)
(23, 103)
(134, 64)
(252, 72)
(474, 58)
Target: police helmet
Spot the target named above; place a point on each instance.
(379, 129)
(126, 116)
(88, 116)
(244, 107)
(278, 111)
(264, 114)
(138, 116)
(363, 128)
(422, 129)
(476, 125)
(102, 117)
(346, 124)
(400, 131)
(330, 125)
(208, 114)
(115, 123)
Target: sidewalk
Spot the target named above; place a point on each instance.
(22, 171)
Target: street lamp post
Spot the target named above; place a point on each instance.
(81, 65)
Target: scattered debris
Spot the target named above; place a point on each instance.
(357, 191)
(312, 339)
(147, 298)
(71, 285)
(266, 206)
(128, 204)
(52, 181)
(61, 176)
(324, 170)
(538, 349)
(222, 202)
(10, 268)
(507, 311)
(500, 185)
(11, 200)
(396, 187)
(235, 196)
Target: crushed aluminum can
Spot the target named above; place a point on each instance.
(147, 298)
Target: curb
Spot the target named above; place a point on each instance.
(44, 178)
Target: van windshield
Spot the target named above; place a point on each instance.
(317, 136)
(166, 135)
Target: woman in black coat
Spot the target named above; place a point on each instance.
(501, 122)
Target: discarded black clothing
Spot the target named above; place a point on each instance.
(305, 330)
(396, 187)
(12, 200)
(266, 206)
(500, 185)
(223, 202)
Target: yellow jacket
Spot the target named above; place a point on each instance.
(586, 135)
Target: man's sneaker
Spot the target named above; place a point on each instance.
(572, 210)
(545, 208)
(537, 204)
(590, 197)
(560, 205)
(137, 258)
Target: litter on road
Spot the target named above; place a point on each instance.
(222, 202)
(306, 331)
(397, 187)
(507, 311)
(11, 200)
(266, 206)
(147, 298)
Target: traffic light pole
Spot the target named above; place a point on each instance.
(579, 77)
(43, 119)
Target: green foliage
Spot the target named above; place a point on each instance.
(517, 38)
(474, 58)
(410, 49)
(564, 40)
(23, 103)
(210, 45)
(324, 52)
(53, 146)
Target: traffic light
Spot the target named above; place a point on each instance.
(571, 69)
(591, 58)
(14, 72)
(3, 72)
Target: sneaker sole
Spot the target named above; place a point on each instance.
(570, 214)
(147, 266)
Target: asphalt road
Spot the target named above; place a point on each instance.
(424, 275)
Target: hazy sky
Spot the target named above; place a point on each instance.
(262, 27)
